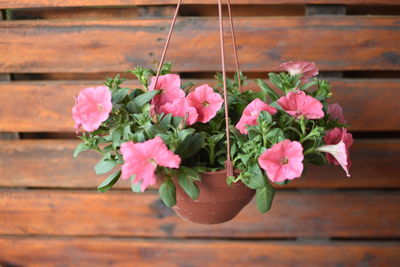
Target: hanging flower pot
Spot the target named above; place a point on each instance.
(217, 201)
(188, 139)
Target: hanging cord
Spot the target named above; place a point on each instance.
(171, 29)
(234, 45)
(228, 163)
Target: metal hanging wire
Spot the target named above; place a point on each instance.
(228, 163)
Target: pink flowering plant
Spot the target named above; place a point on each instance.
(167, 134)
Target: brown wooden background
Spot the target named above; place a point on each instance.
(50, 212)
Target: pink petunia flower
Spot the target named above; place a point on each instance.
(206, 102)
(339, 152)
(180, 108)
(299, 104)
(169, 85)
(283, 161)
(250, 114)
(308, 69)
(336, 112)
(142, 159)
(92, 107)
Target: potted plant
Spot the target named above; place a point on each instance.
(173, 136)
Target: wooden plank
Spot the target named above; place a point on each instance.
(68, 3)
(345, 214)
(30, 251)
(363, 43)
(47, 104)
(25, 163)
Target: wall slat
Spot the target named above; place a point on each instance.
(347, 214)
(49, 163)
(127, 252)
(335, 43)
(47, 105)
(67, 3)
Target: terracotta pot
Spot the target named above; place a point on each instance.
(217, 202)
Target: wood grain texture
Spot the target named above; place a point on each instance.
(68, 3)
(335, 43)
(47, 105)
(49, 163)
(30, 251)
(345, 214)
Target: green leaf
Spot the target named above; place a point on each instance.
(276, 80)
(275, 136)
(166, 121)
(119, 95)
(265, 116)
(104, 165)
(132, 107)
(190, 146)
(176, 121)
(116, 136)
(188, 185)
(145, 98)
(127, 132)
(136, 187)
(109, 182)
(256, 178)
(264, 197)
(267, 90)
(81, 147)
(167, 193)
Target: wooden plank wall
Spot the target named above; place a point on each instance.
(50, 212)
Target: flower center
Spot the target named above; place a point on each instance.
(205, 103)
(284, 161)
(99, 107)
(152, 161)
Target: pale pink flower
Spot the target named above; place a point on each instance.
(299, 104)
(169, 85)
(308, 69)
(206, 102)
(337, 136)
(250, 114)
(92, 107)
(283, 161)
(142, 159)
(336, 112)
(339, 152)
(180, 108)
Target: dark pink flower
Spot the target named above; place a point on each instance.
(206, 102)
(169, 85)
(180, 108)
(336, 112)
(142, 159)
(250, 114)
(343, 140)
(299, 104)
(308, 69)
(283, 161)
(92, 107)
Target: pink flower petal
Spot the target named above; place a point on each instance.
(283, 161)
(180, 108)
(251, 113)
(206, 102)
(142, 159)
(308, 69)
(298, 104)
(339, 152)
(92, 107)
(335, 137)
(169, 85)
(336, 112)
